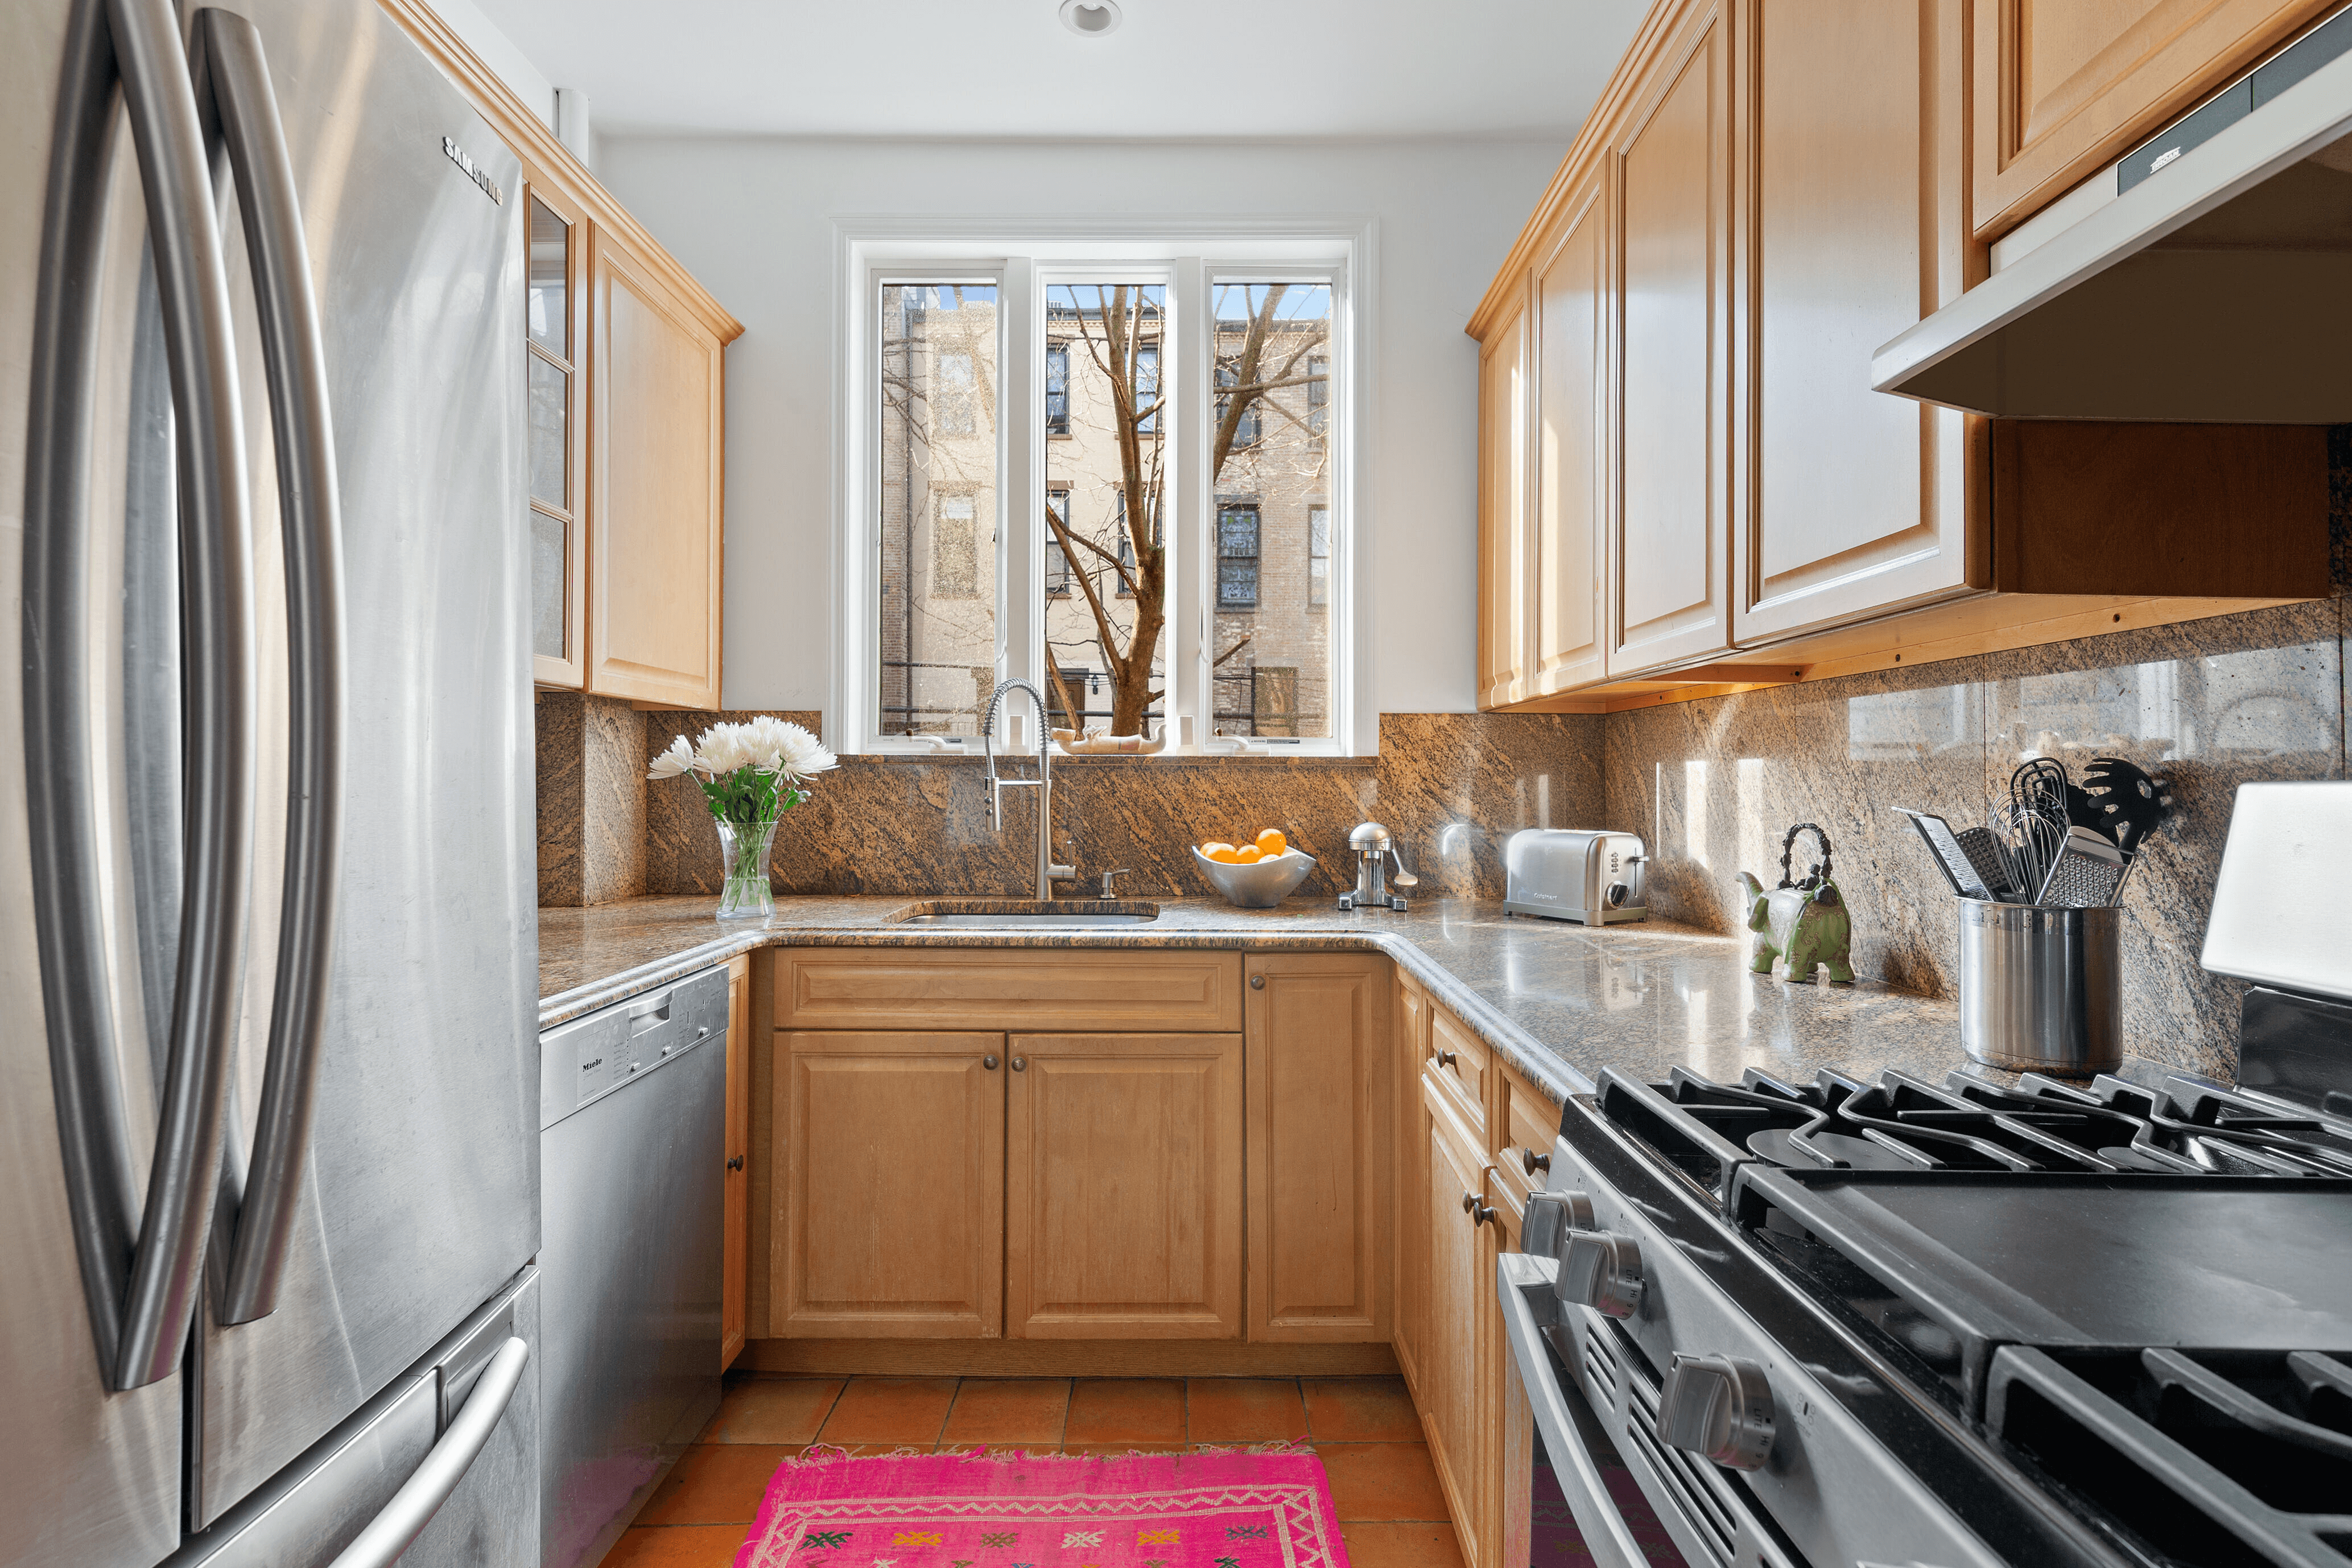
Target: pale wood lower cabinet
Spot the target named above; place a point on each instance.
(735, 1246)
(1123, 1186)
(1411, 1268)
(1458, 1392)
(1319, 1133)
(892, 1191)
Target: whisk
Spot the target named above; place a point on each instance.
(2031, 826)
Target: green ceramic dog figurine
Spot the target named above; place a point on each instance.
(1803, 921)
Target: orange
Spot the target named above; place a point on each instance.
(1271, 843)
(1216, 851)
(1248, 855)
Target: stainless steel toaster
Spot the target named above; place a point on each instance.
(1574, 874)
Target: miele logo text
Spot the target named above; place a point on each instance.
(456, 156)
(592, 1067)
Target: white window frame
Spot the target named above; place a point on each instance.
(1022, 258)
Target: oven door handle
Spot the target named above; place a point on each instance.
(1606, 1535)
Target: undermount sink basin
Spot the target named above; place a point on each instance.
(1019, 913)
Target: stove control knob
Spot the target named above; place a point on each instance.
(1718, 1406)
(1602, 1271)
(1551, 1216)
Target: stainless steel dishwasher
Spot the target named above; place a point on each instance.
(632, 1163)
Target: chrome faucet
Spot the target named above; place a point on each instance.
(1047, 870)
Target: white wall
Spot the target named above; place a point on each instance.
(498, 52)
(752, 219)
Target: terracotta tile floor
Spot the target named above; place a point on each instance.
(1390, 1508)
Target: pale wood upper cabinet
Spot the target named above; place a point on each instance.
(1574, 318)
(556, 392)
(624, 398)
(2063, 87)
(1672, 576)
(1854, 501)
(1503, 647)
(1123, 1186)
(658, 477)
(890, 1150)
(1320, 1136)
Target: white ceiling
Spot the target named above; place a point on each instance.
(1184, 68)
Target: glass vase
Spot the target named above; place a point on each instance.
(743, 856)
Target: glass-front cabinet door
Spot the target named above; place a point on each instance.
(556, 316)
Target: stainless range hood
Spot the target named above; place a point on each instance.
(2210, 278)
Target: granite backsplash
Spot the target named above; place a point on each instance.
(1450, 786)
(2206, 705)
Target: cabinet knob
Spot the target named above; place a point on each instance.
(1481, 1214)
(736, 1163)
(1601, 1270)
(989, 1062)
(1020, 1064)
(1257, 981)
(1534, 1162)
(1719, 1406)
(1447, 1059)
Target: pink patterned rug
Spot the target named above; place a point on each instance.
(1255, 1510)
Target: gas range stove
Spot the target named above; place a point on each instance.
(1896, 1322)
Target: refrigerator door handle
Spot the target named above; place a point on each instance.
(142, 1293)
(420, 1496)
(232, 79)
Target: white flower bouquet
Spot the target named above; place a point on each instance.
(750, 775)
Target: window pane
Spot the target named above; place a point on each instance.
(547, 596)
(550, 250)
(937, 361)
(551, 470)
(1106, 568)
(1271, 455)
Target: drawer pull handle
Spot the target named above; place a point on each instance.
(1257, 981)
(1479, 1213)
(988, 1062)
(1447, 1059)
(1534, 1162)
(1020, 1064)
(736, 1163)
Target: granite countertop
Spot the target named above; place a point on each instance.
(1559, 1001)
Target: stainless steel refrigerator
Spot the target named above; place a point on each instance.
(268, 1131)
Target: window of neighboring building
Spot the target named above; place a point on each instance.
(1318, 555)
(1057, 389)
(1057, 561)
(956, 408)
(1238, 536)
(955, 548)
(1252, 423)
(1147, 388)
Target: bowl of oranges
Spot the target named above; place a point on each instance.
(1256, 875)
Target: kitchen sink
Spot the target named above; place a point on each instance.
(1007, 914)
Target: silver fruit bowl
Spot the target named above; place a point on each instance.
(1258, 886)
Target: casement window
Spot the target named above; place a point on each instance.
(1129, 481)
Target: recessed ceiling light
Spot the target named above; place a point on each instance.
(1090, 18)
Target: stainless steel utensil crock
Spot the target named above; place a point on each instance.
(2042, 989)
